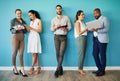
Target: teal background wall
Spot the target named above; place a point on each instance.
(46, 8)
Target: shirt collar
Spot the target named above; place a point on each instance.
(100, 17)
(59, 18)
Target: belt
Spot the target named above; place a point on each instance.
(60, 35)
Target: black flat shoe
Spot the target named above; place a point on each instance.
(95, 72)
(56, 74)
(24, 75)
(61, 71)
(15, 72)
(101, 73)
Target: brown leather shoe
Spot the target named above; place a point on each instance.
(31, 71)
(38, 70)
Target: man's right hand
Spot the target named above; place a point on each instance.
(94, 29)
(57, 26)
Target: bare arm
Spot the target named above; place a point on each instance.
(78, 28)
(39, 29)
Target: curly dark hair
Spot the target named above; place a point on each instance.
(37, 15)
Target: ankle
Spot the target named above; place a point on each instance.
(81, 72)
(32, 66)
(38, 66)
(38, 70)
(31, 71)
(14, 67)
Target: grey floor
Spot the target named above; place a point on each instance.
(68, 76)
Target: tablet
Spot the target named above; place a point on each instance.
(94, 24)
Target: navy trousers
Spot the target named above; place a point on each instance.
(99, 54)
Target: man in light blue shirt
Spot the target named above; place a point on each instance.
(100, 41)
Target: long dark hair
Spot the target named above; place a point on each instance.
(37, 15)
(77, 14)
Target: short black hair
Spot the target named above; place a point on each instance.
(18, 10)
(59, 6)
(97, 9)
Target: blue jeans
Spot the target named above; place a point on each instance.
(99, 54)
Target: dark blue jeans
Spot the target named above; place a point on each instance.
(99, 54)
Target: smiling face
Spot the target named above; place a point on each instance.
(81, 16)
(18, 14)
(31, 15)
(97, 14)
(59, 10)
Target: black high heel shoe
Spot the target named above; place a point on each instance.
(24, 75)
(15, 72)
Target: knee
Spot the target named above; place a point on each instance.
(61, 54)
(21, 55)
(14, 55)
(34, 55)
(95, 54)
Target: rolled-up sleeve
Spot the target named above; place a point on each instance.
(68, 23)
(52, 25)
(11, 26)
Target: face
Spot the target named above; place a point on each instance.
(31, 15)
(97, 14)
(59, 10)
(81, 16)
(18, 14)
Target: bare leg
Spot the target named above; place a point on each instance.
(38, 65)
(37, 61)
(82, 72)
(34, 59)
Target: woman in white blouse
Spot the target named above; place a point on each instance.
(80, 32)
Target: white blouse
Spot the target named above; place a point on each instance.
(82, 27)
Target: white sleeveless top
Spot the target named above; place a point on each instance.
(82, 27)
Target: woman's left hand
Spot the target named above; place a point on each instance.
(28, 28)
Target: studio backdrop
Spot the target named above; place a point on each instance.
(46, 9)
